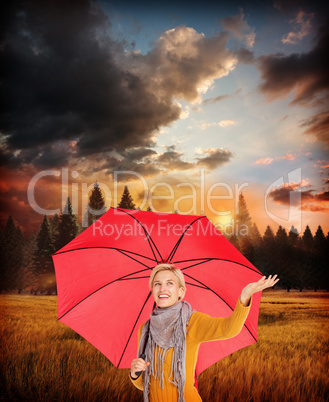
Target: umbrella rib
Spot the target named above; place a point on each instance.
(102, 287)
(122, 252)
(208, 288)
(135, 277)
(194, 265)
(148, 236)
(110, 248)
(215, 259)
(173, 251)
(197, 286)
(130, 335)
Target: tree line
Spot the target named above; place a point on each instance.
(26, 264)
(300, 260)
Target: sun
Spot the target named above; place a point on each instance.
(224, 222)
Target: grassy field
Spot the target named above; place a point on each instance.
(43, 360)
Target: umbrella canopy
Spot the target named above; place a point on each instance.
(102, 279)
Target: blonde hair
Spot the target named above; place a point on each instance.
(168, 267)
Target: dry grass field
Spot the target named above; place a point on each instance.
(43, 360)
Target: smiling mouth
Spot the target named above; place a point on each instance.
(163, 297)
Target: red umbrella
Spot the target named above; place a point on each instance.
(102, 279)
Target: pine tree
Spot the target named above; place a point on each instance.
(9, 252)
(233, 239)
(321, 276)
(256, 237)
(307, 239)
(281, 236)
(246, 248)
(267, 252)
(45, 241)
(126, 200)
(257, 242)
(293, 236)
(326, 257)
(307, 264)
(243, 218)
(96, 205)
(54, 224)
(27, 277)
(84, 223)
(283, 257)
(291, 278)
(17, 263)
(68, 226)
(269, 236)
(319, 240)
(43, 264)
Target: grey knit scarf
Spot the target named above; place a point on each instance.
(167, 329)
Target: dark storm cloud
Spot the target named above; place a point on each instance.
(318, 125)
(147, 163)
(172, 160)
(304, 74)
(310, 200)
(323, 196)
(141, 161)
(12, 160)
(281, 195)
(71, 91)
(215, 158)
(139, 153)
(288, 6)
(137, 160)
(128, 169)
(245, 56)
(61, 81)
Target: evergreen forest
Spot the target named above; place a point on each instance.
(26, 264)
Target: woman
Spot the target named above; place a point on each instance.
(174, 333)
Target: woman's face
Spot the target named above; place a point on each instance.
(165, 289)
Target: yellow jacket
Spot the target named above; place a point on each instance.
(201, 328)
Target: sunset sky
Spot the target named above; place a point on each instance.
(182, 103)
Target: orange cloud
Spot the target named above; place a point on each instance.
(264, 161)
(310, 201)
(315, 208)
(290, 157)
(268, 160)
(302, 27)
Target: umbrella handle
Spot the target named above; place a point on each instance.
(142, 356)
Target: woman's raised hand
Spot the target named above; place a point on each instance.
(255, 287)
